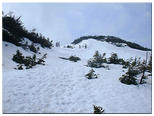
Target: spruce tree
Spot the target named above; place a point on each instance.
(143, 69)
(18, 57)
(114, 58)
(32, 48)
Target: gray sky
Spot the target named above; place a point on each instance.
(65, 22)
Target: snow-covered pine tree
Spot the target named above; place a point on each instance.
(96, 61)
(18, 57)
(114, 59)
(91, 74)
(32, 48)
(129, 77)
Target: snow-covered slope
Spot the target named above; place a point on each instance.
(105, 47)
(61, 87)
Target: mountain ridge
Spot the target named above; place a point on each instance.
(113, 40)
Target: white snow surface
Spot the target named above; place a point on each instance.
(61, 87)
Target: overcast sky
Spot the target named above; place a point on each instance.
(65, 22)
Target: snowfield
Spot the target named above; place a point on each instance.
(60, 86)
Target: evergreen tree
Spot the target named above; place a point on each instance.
(74, 58)
(91, 74)
(14, 32)
(134, 63)
(41, 60)
(149, 67)
(97, 60)
(34, 60)
(143, 69)
(18, 57)
(103, 58)
(32, 48)
(129, 77)
(114, 59)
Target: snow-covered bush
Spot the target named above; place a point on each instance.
(121, 61)
(126, 79)
(126, 64)
(71, 58)
(143, 69)
(18, 57)
(28, 61)
(136, 63)
(74, 58)
(113, 59)
(93, 63)
(133, 71)
(129, 76)
(33, 48)
(41, 60)
(98, 109)
(131, 62)
(135, 67)
(149, 66)
(97, 60)
(104, 60)
(91, 74)
(20, 67)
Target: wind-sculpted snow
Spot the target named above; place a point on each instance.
(61, 86)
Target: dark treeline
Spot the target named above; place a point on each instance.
(13, 31)
(111, 39)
